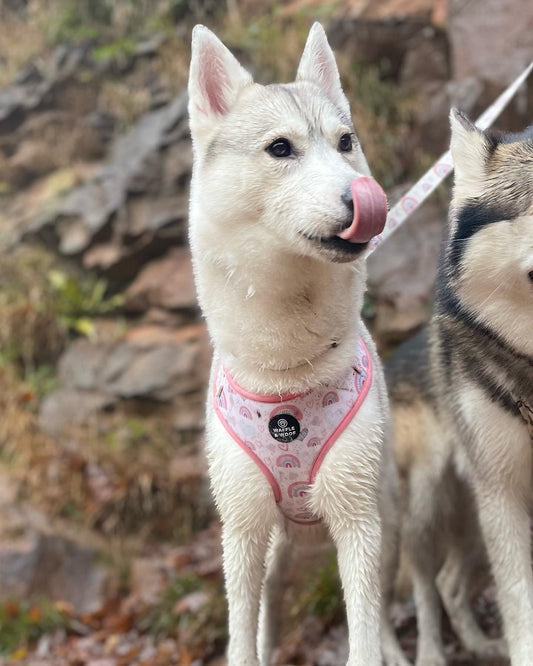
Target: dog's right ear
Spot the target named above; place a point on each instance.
(215, 79)
(470, 148)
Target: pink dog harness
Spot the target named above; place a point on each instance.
(288, 436)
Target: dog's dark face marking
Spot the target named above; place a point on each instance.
(506, 172)
(485, 282)
(471, 218)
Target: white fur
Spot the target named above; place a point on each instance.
(502, 486)
(495, 282)
(469, 153)
(283, 314)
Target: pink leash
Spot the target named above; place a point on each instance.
(442, 168)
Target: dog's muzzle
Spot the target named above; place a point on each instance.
(369, 211)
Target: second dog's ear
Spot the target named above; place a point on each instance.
(318, 65)
(470, 150)
(215, 78)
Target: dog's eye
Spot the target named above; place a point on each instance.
(345, 143)
(280, 148)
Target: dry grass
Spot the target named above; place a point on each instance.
(113, 476)
(21, 41)
(30, 332)
(124, 99)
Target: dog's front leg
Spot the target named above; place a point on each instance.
(506, 528)
(358, 551)
(244, 553)
(272, 594)
(501, 453)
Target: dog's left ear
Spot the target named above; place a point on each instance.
(319, 66)
(215, 79)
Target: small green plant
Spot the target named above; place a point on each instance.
(117, 52)
(80, 299)
(30, 334)
(22, 623)
(138, 430)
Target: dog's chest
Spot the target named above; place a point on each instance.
(289, 436)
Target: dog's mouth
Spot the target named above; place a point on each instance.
(368, 215)
(343, 249)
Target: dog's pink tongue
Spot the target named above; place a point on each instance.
(369, 211)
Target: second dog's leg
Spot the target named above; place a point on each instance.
(454, 584)
(244, 560)
(422, 522)
(271, 597)
(430, 651)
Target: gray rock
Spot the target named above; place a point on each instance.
(479, 38)
(81, 365)
(153, 213)
(32, 91)
(133, 208)
(64, 570)
(401, 275)
(66, 408)
(35, 562)
(492, 45)
(151, 363)
(160, 373)
(166, 283)
(150, 47)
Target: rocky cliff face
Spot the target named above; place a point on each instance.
(109, 197)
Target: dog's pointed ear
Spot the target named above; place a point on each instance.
(215, 78)
(319, 66)
(470, 148)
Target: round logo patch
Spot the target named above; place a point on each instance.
(284, 427)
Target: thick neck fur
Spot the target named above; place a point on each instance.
(282, 314)
(482, 318)
(279, 322)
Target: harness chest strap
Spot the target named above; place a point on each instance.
(288, 436)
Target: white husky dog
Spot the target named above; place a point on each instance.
(282, 209)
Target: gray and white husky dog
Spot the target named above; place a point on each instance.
(279, 226)
(462, 401)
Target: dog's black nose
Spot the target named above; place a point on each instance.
(347, 200)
